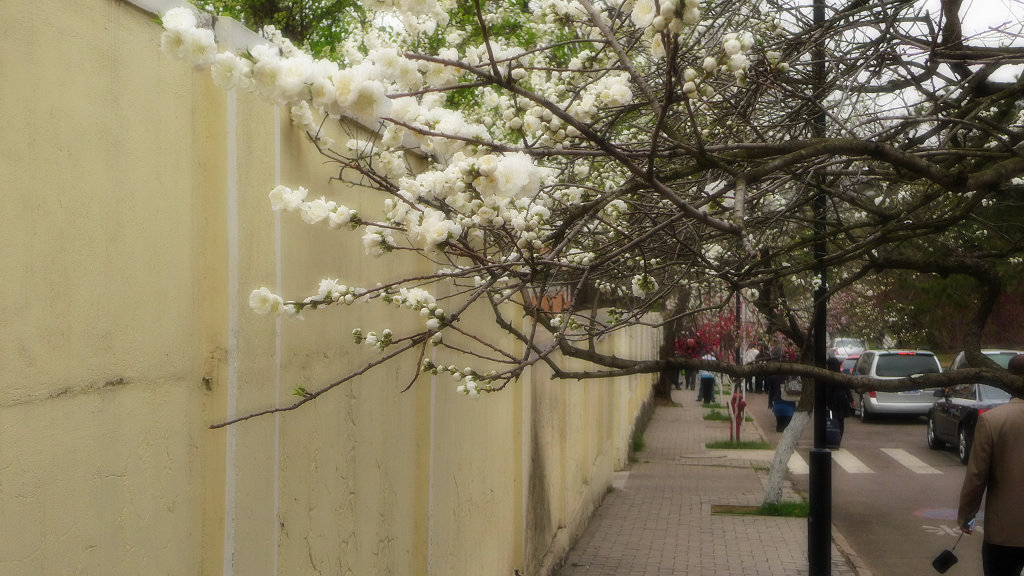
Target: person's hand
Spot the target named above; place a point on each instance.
(968, 528)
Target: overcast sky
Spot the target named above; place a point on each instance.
(981, 16)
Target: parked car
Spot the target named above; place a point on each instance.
(891, 365)
(952, 418)
(844, 347)
(847, 366)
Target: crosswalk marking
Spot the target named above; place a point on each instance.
(910, 461)
(850, 463)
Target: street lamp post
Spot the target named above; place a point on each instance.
(819, 519)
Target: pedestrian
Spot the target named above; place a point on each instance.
(773, 386)
(996, 467)
(761, 381)
(688, 348)
(838, 401)
(707, 382)
(774, 382)
(749, 357)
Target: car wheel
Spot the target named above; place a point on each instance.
(964, 439)
(863, 410)
(933, 441)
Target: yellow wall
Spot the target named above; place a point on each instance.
(135, 224)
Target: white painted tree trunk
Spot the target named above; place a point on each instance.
(783, 452)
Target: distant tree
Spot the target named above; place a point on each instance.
(319, 25)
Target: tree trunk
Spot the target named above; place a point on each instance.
(667, 378)
(783, 452)
(674, 303)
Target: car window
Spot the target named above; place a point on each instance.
(900, 365)
(962, 391)
(863, 365)
(1002, 358)
(989, 393)
(847, 366)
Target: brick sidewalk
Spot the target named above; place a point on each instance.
(659, 521)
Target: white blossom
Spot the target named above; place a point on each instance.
(643, 284)
(284, 198)
(514, 175)
(341, 216)
(194, 45)
(433, 230)
(316, 211)
(731, 46)
(229, 71)
(739, 62)
(263, 301)
(330, 289)
(302, 116)
(377, 241)
(657, 47)
(181, 18)
(643, 13)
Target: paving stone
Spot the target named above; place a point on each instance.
(658, 521)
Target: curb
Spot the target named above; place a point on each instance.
(846, 550)
(838, 539)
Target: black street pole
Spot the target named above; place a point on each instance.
(819, 519)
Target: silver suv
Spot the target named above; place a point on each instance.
(890, 365)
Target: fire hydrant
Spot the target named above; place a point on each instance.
(736, 406)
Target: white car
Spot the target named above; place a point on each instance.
(890, 365)
(843, 347)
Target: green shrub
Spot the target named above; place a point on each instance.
(638, 443)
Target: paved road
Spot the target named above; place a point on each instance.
(894, 499)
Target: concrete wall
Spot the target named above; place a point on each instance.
(135, 223)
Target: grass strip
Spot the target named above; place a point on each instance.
(745, 445)
(779, 509)
(718, 416)
(786, 509)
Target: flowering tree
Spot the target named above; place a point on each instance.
(627, 155)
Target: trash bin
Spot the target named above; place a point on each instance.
(783, 410)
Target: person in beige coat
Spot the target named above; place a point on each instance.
(996, 466)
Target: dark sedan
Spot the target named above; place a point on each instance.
(951, 419)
